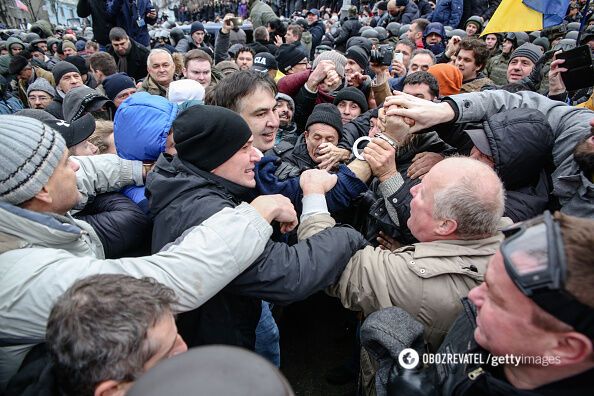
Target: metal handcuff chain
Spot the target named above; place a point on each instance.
(359, 155)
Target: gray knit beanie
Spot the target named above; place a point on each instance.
(29, 153)
(41, 84)
(286, 98)
(336, 57)
(528, 50)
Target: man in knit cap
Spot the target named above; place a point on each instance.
(356, 67)
(287, 130)
(215, 168)
(40, 93)
(118, 87)
(39, 189)
(67, 77)
(67, 49)
(26, 74)
(522, 61)
(195, 41)
(323, 128)
(291, 59)
(351, 103)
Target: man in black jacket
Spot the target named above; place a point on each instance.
(350, 27)
(129, 55)
(214, 169)
(96, 9)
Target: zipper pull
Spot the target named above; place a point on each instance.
(474, 374)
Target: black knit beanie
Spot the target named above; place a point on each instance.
(207, 136)
(17, 64)
(62, 68)
(354, 95)
(325, 113)
(359, 55)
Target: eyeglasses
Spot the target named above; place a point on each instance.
(40, 98)
(534, 259)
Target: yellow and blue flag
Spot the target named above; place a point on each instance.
(526, 15)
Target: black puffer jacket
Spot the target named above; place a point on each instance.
(521, 142)
(295, 158)
(102, 23)
(124, 229)
(182, 196)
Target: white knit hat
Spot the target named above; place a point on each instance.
(182, 90)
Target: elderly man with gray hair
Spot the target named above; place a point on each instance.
(161, 70)
(456, 212)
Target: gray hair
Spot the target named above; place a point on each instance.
(423, 51)
(476, 201)
(97, 330)
(157, 51)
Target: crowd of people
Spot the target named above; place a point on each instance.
(166, 185)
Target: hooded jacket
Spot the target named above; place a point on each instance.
(260, 13)
(5, 59)
(183, 196)
(569, 125)
(78, 101)
(141, 126)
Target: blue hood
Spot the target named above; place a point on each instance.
(141, 126)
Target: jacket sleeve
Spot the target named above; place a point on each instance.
(357, 128)
(376, 279)
(123, 228)
(305, 102)
(183, 45)
(569, 126)
(284, 274)
(493, 4)
(104, 173)
(343, 35)
(196, 266)
(221, 47)
(82, 8)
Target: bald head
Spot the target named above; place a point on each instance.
(470, 193)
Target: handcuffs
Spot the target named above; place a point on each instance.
(360, 156)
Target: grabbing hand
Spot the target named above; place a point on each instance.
(316, 181)
(319, 74)
(330, 155)
(422, 163)
(422, 113)
(556, 84)
(277, 208)
(381, 158)
(386, 242)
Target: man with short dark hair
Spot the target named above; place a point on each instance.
(316, 28)
(134, 18)
(130, 56)
(198, 67)
(244, 58)
(422, 85)
(92, 352)
(421, 60)
(415, 31)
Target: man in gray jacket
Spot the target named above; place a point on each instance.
(570, 127)
(43, 250)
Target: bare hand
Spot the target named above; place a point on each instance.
(278, 41)
(556, 84)
(152, 14)
(277, 208)
(381, 158)
(227, 25)
(331, 82)
(452, 46)
(422, 163)
(330, 155)
(398, 68)
(423, 113)
(316, 181)
(386, 242)
(319, 74)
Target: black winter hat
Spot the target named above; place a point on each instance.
(62, 68)
(289, 55)
(79, 62)
(207, 136)
(353, 94)
(325, 113)
(359, 55)
(195, 27)
(17, 64)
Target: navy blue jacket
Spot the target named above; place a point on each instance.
(130, 15)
